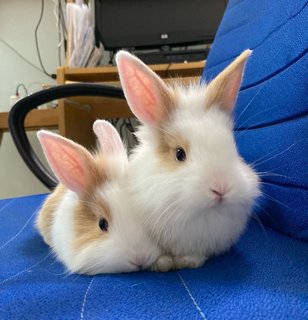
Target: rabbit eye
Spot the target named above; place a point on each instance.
(103, 224)
(180, 154)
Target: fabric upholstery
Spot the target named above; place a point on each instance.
(262, 277)
(271, 114)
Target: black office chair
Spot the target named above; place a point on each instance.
(20, 110)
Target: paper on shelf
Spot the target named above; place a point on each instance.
(81, 51)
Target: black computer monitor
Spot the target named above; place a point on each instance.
(142, 24)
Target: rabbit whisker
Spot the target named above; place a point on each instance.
(277, 201)
(242, 129)
(258, 206)
(249, 103)
(259, 222)
(271, 174)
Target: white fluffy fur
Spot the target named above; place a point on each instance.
(126, 249)
(126, 246)
(176, 205)
(62, 231)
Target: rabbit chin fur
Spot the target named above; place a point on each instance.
(173, 198)
(125, 248)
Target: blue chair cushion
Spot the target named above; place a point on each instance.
(263, 277)
(271, 113)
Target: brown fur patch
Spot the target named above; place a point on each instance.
(87, 213)
(46, 216)
(91, 208)
(97, 171)
(86, 220)
(169, 101)
(168, 143)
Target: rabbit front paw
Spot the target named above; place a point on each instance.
(195, 261)
(163, 264)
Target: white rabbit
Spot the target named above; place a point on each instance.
(87, 219)
(189, 185)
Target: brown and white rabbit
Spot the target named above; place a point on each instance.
(87, 219)
(189, 185)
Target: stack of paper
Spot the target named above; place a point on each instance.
(81, 49)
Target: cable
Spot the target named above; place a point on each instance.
(60, 24)
(62, 18)
(63, 25)
(21, 56)
(60, 34)
(53, 76)
(21, 85)
(56, 13)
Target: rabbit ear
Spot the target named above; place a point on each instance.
(72, 164)
(147, 95)
(223, 90)
(109, 139)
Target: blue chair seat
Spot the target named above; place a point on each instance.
(262, 277)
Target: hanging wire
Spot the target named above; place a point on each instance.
(53, 76)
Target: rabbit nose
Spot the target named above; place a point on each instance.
(219, 192)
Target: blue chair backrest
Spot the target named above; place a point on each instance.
(271, 114)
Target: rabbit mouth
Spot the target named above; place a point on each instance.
(136, 266)
(211, 203)
(142, 263)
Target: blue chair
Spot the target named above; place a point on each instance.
(271, 121)
(265, 275)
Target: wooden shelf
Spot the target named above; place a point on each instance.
(36, 119)
(74, 116)
(110, 73)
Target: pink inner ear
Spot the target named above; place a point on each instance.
(232, 90)
(144, 90)
(70, 162)
(110, 141)
(139, 89)
(68, 168)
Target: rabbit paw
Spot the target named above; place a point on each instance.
(163, 264)
(189, 261)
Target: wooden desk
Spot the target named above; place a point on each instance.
(77, 124)
(35, 120)
(74, 116)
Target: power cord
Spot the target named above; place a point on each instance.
(63, 25)
(21, 85)
(60, 24)
(21, 56)
(60, 34)
(53, 76)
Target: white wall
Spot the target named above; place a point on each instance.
(17, 23)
